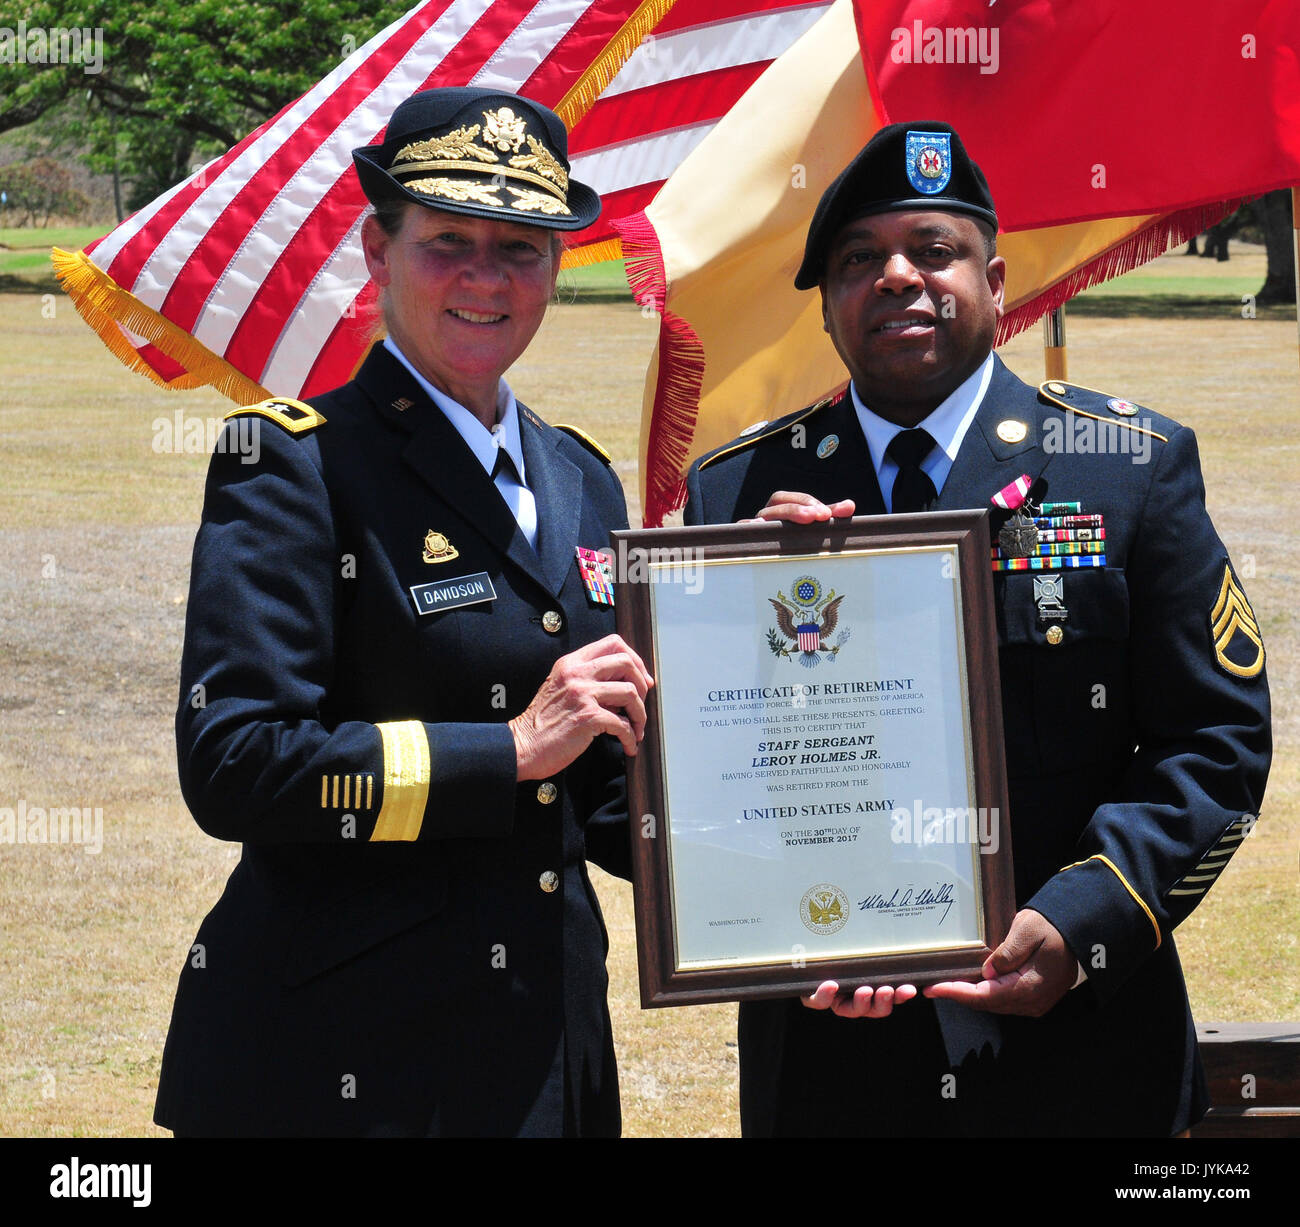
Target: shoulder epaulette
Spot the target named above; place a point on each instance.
(586, 440)
(765, 430)
(293, 415)
(1089, 403)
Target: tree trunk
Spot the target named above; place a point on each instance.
(1279, 285)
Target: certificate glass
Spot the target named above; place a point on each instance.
(821, 790)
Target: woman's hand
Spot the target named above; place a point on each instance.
(597, 689)
(861, 1002)
(797, 508)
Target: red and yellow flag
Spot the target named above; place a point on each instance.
(1101, 144)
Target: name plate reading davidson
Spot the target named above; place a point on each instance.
(821, 793)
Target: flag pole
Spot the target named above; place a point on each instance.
(1054, 362)
(1295, 252)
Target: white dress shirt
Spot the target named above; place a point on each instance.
(485, 443)
(947, 426)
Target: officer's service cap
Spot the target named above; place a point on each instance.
(921, 165)
(478, 151)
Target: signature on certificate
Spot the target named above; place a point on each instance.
(912, 900)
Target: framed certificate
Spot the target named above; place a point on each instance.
(821, 793)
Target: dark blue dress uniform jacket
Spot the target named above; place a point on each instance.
(385, 958)
(1137, 754)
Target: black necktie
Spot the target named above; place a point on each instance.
(913, 490)
(505, 464)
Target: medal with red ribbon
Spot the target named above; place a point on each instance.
(1018, 537)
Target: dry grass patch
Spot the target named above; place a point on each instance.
(95, 535)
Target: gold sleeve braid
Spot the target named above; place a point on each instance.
(1105, 860)
(406, 781)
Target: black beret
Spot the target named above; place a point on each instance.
(920, 165)
(478, 151)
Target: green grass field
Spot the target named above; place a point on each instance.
(95, 533)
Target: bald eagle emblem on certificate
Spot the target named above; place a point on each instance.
(805, 622)
(824, 909)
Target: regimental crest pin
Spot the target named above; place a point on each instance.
(438, 549)
(827, 446)
(929, 161)
(1125, 408)
(806, 620)
(824, 908)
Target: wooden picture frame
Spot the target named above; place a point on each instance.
(845, 820)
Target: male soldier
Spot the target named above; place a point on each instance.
(1134, 699)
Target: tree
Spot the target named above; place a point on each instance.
(1279, 284)
(178, 78)
(39, 188)
(212, 67)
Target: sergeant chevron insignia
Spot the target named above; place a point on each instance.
(1238, 644)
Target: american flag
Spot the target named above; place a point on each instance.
(249, 276)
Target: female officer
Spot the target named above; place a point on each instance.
(402, 693)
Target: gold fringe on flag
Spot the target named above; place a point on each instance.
(109, 309)
(605, 67)
(595, 253)
(1159, 235)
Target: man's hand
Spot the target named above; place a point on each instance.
(862, 1002)
(597, 689)
(802, 509)
(1028, 974)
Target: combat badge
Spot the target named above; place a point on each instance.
(1238, 644)
(807, 620)
(438, 549)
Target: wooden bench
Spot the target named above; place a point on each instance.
(1254, 1075)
